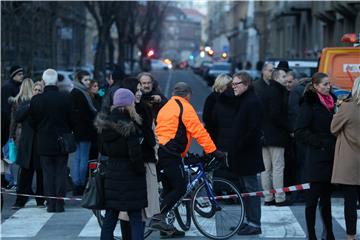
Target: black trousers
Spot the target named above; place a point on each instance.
(5, 128)
(25, 180)
(351, 198)
(319, 191)
(54, 172)
(172, 175)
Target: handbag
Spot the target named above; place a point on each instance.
(67, 143)
(12, 151)
(93, 197)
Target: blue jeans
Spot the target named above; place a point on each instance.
(79, 166)
(252, 204)
(112, 217)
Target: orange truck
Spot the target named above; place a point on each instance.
(342, 64)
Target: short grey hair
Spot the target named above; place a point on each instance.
(181, 89)
(292, 73)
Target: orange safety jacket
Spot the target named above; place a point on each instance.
(177, 124)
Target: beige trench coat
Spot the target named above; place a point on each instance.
(152, 187)
(346, 126)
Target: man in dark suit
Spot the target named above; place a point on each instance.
(50, 116)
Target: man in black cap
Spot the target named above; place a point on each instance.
(283, 65)
(9, 89)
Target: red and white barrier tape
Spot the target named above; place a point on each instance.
(294, 188)
(39, 196)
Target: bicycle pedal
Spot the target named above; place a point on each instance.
(165, 234)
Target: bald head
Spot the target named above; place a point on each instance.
(182, 89)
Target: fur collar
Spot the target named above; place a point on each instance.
(123, 126)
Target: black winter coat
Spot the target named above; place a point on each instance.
(207, 115)
(9, 89)
(245, 153)
(275, 124)
(313, 129)
(27, 150)
(155, 107)
(294, 103)
(224, 112)
(148, 145)
(82, 116)
(50, 114)
(125, 187)
(260, 88)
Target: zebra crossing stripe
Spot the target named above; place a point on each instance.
(275, 223)
(289, 227)
(338, 215)
(92, 229)
(26, 222)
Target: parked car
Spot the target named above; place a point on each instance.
(203, 68)
(65, 79)
(301, 67)
(157, 64)
(215, 70)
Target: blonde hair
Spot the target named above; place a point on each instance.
(25, 92)
(221, 83)
(355, 93)
(132, 112)
(38, 83)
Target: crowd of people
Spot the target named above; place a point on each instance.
(289, 131)
(283, 129)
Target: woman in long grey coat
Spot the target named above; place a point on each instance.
(346, 126)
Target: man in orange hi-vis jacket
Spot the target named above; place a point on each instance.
(177, 124)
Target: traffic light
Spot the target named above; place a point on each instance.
(150, 53)
(211, 52)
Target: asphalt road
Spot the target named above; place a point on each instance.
(78, 223)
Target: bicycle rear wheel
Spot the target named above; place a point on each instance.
(183, 215)
(220, 218)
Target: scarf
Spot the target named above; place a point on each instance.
(326, 100)
(84, 91)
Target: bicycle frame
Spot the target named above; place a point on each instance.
(201, 175)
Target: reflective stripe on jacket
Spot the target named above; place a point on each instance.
(176, 135)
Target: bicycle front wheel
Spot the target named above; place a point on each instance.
(218, 218)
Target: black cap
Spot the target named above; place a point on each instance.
(283, 65)
(15, 70)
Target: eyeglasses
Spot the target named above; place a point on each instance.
(234, 84)
(37, 89)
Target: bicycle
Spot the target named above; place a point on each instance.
(206, 200)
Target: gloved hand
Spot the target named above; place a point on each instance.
(138, 167)
(219, 155)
